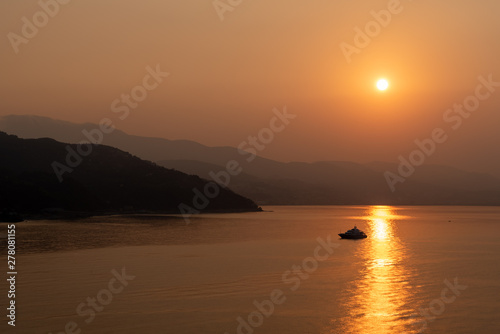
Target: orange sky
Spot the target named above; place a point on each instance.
(226, 76)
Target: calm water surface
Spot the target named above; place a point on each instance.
(421, 270)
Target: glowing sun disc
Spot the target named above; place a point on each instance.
(382, 84)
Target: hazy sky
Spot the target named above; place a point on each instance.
(227, 76)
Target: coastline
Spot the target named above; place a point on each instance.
(78, 215)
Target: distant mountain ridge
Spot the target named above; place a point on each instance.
(107, 180)
(271, 182)
(351, 184)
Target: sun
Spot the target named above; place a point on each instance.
(382, 84)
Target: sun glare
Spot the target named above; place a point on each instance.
(382, 84)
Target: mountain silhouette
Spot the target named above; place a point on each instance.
(106, 180)
(270, 182)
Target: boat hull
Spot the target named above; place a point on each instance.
(347, 236)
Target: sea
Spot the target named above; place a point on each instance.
(422, 269)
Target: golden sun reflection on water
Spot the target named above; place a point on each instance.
(378, 300)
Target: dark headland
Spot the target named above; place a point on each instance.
(106, 181)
